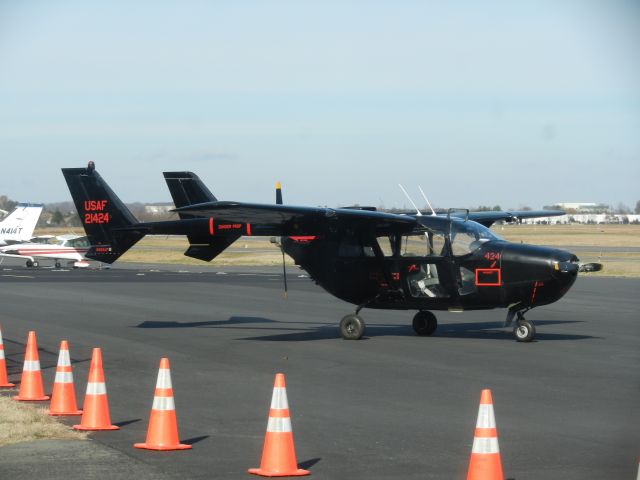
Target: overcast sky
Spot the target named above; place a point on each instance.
(509, 103)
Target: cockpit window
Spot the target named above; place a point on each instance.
(429, 243)
(466, 237)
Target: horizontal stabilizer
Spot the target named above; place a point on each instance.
(212, 250)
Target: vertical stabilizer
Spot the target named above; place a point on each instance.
(20, 224)
(108, 223)
(187, 189)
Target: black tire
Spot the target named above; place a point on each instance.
(29, 263)
(58, 265)
(524, 331)
(352, 327)
(424, 323)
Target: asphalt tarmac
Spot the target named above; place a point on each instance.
(392, 405)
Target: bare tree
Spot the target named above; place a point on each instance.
(623, 209)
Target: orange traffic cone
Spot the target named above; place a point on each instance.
(279, 454)
(31, 388)
(162, 433)
(485, 461)
(4, 380)
(63, 397)
(96, 406)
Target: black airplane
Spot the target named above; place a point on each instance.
(372, 259)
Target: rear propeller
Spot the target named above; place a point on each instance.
(284, 265)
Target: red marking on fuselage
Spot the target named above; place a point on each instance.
(211, 230)
(487, 272)
(229, 226)
(96, 217)
(249, 229)
(95, 205)
(304, 239)
(535, 290)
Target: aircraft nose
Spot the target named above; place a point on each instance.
(564, 263)
(526, 263)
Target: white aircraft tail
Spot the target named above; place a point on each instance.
(20, 224)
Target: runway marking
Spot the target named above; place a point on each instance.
(257, 275)
(18, 276)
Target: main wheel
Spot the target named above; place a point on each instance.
(29, 263)
(58, 264)
(35, 263)
(425, 323)
(524, 331)
(352, 327)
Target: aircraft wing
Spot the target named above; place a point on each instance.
(489, 218)
(305, 219)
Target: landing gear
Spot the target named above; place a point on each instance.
(523, 330)
(352, 327)
(58, 264)
(32, 263)
(424, 323)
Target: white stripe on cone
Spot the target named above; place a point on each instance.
(279, 424)
(95, 388)
(163, 403)
(279, 398)
(63, 377)
(1, 354)
(164, 378)
(486, 418)
(485, 445)
(31, 366)
(63, 359)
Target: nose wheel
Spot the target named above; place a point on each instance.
(523, 330)
(352, 327)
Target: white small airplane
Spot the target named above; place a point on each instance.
(57, 248)
(20, 224)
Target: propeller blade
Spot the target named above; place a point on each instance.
(284, 264)
(590, 267)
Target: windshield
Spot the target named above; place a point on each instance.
(468, 236)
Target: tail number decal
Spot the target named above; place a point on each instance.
(95, 211)
(96, 217)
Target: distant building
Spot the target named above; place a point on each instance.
(583, 207)
(587, 218)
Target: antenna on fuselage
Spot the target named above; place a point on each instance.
(433, 212)
(409, 198)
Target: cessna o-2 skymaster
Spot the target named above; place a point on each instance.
(366, 257)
